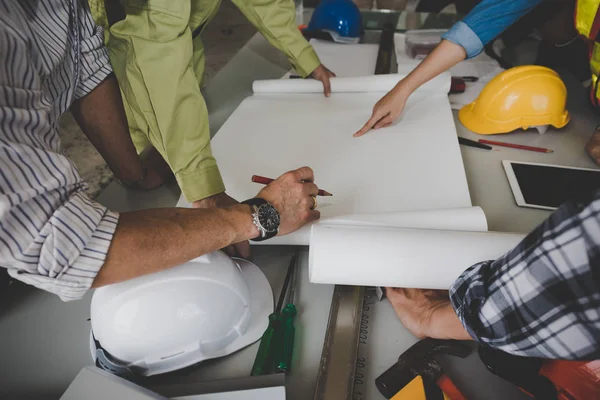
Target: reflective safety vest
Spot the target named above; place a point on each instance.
(587, 23)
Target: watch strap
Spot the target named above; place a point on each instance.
(256, 203)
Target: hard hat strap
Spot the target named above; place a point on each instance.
(105, 362)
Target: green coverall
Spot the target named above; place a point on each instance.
(158, 59)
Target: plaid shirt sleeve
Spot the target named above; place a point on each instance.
(541, 299)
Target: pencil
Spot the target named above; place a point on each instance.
(516, 146)
(265, 181)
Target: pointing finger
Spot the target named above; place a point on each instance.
(383, 122)
(326, 85)
(376, 117)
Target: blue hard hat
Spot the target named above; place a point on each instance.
(340, 18)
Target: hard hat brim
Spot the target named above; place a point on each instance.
(261, 306)
(471, 121)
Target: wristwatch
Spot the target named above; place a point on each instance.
(265, 217)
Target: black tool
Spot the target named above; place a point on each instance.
(469, 78)
(386, 49)
(418, 360)
(472, 143)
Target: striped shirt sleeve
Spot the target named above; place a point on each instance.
(95, 63)
(51, 235)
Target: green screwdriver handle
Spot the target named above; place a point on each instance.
(283, 360)
(264, 356)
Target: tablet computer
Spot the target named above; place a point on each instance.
(547, 186)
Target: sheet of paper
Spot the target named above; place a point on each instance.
(347, 60)
(270, 393)
(383, 171)
(478, 66)
(459, 100)
(361, 84)
(475, 67)
(412, 258)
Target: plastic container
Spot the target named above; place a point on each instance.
(419, 43)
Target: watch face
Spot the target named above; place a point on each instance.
(268, 217)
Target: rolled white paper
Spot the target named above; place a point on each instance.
(361, 84)
(410, 258)
(454, 219)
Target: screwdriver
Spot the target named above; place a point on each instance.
(263, 362)
(283, 357)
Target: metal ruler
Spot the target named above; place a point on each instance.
(335, 380)
(359, 390)
(344, 360)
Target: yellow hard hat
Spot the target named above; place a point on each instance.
(521, 97)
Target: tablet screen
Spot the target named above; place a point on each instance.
(551, 186)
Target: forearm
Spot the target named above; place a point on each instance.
(445, 324)
(467, 38)
(152, 240)
(101, 116)
(442, 58)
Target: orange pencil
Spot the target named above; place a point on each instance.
(516, 146)
(265, 181)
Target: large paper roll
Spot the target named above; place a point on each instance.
(361, 84)
(454, 219)
(410, 258)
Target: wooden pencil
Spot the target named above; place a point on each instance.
(265, 181)
(516, 146)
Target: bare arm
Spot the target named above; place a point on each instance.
(101, 116)
(445, 56)
(152, 240)
(442, 58)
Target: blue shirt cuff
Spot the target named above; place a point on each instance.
(462, 35)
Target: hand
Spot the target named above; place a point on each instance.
(426, 313)
(153, 171)
(321, 73)
(241, 249)
(593, 147)
(157, 170)
(150, 179)
(385, 111)
(291, 195)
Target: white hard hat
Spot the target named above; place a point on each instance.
(206, 308)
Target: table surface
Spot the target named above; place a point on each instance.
(45, 342)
